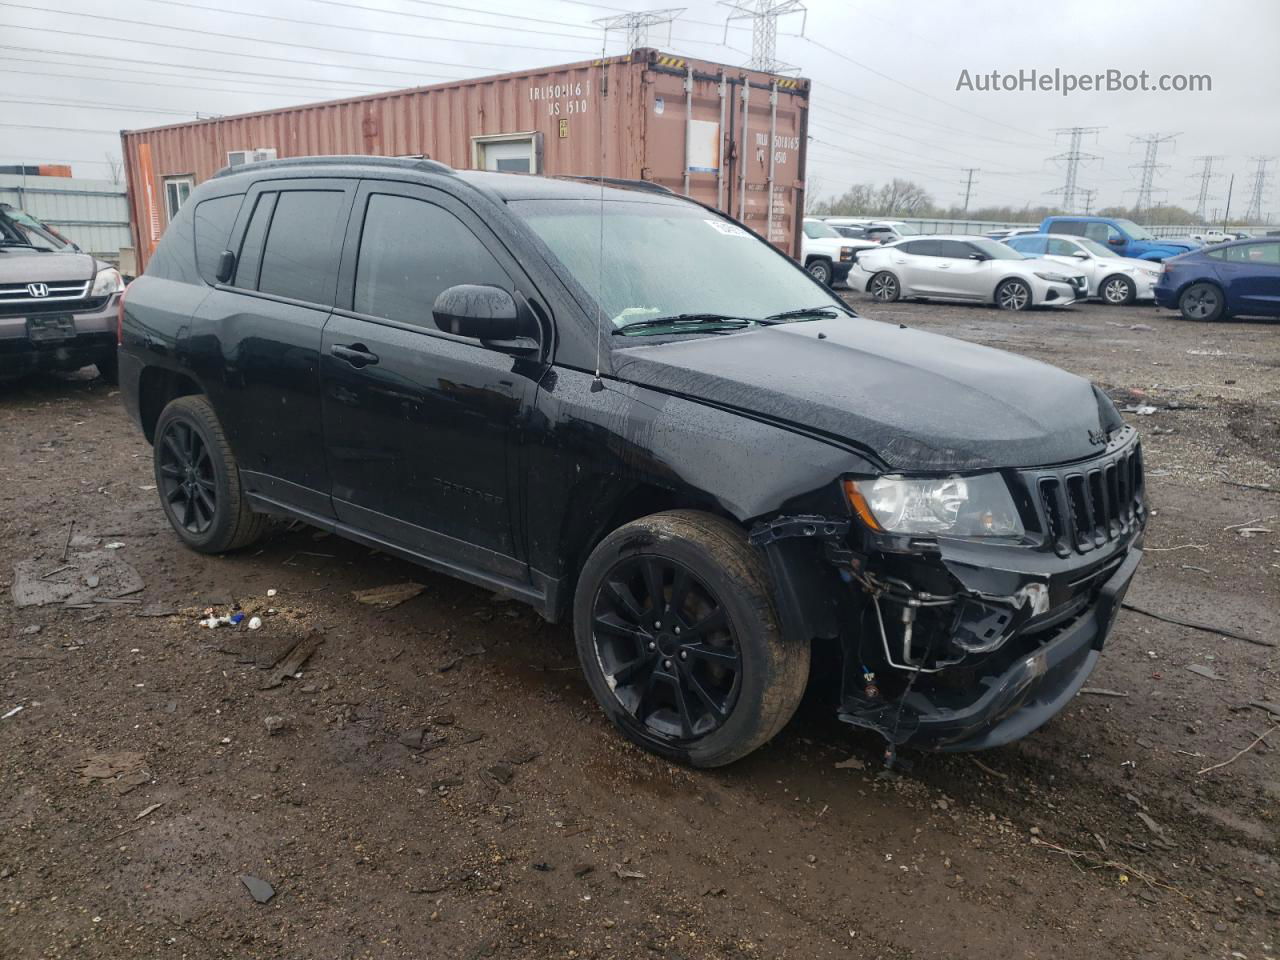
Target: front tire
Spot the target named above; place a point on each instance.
(820, 270)
(199, 481)
(679, 641)
(1202, 301)
(1013, 295)
(1118, 291)
(884, 287)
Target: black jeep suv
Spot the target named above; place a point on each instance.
(620, 407)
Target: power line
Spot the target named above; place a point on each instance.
(118, 107)
(1148, 167)
(1258, 191)
(151, 83)
(241, 37)
(1073, 157)
(1206, 175)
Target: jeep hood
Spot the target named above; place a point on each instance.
(917, 401)
(23, 265)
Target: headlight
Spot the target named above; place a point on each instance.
(978, 506)
(846, 253)
(1149, 274)
(1053, 277)
(107, 282)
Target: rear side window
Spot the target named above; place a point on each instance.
(254, 239)
(921, 248)
(410, 251)
(1072, 227)
(214, 219)
(1260, 253)
(300, 260)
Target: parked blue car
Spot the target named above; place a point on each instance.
(1237, 278)
(1124, 237)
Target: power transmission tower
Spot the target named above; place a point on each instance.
(1072, 159)
(637, 24)
(763, 15)
(968, 184)
(1259, 189)
(1149, 166)
(1206, 174)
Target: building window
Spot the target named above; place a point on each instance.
(176, 192)
(508, 152)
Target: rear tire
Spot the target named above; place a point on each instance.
(679, 641)
(1118, 291)
(199, 481)
(884, 287)
(820, 270)
(1202, 301)
(1013, 295)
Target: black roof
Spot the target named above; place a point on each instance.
(507, 186)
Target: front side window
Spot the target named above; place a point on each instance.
(300, 259)
(1134, 231)
(1035, 246)
(955, 249)
(662, 258)
(1059, 248)
(412, 250)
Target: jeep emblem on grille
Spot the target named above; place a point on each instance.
(38, 289)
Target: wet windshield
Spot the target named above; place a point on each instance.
(816, 228)
(22, 229)
(669, 260)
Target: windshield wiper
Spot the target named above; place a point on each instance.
(826, 310)
(684, 319)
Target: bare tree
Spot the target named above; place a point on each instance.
(113, 167)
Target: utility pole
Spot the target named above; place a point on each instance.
(763, 15)
(1149, 166)
(1088, 200)
(1256, 194)
(1206, 174)
(1226, 212)
(637, 24)
(968, 185)
(1072, 159)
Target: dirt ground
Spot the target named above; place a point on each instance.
(436, 781)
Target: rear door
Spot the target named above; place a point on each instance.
(1252, 275)
(266, 326)
(912, 262)
(420, 424)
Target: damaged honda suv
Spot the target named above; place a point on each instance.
(630, 412)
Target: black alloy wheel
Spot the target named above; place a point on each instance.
(667, 647)
(187, 483)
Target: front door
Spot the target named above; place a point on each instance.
(1252, 274)
(420, 425)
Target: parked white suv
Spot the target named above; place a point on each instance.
(1118, 281)
(968, 268)
(826, 254)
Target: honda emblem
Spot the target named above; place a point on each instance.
(38, 289)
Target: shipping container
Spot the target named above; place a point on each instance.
(727, 136)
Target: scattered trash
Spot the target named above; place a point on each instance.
(123, 771)
(1150, 824)
(274, 725)
(31, 630)
(623, 874)
(853, 763)
(1101, 692)
(1141, 327)
(260, 890)
(543, 867)
(1256, 741)
(36, 586)
(236, 618)
(1145, 411)
(272, 592)
(1271, 708)
(1199, 669)
(1194, 625)
(113, 545)
(1250, 532)
(255, 623)
(147, 810)
(16, 710)
(294, 660)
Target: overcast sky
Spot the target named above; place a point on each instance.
(885, 101)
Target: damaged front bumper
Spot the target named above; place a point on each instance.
(968, 644)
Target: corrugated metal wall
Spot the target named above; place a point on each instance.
(93, 213)
(628, 116)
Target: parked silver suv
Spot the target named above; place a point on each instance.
(58, 304)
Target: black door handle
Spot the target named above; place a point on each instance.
(357, 354)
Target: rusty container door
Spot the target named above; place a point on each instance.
(731, 138)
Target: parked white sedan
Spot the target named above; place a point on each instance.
(1118, 281)
(967, 268)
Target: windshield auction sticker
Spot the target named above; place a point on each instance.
(728, 229)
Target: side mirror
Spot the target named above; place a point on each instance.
(1081, 254)
(226, 266)
(1116, 241)
(489, 314)
(978, 256)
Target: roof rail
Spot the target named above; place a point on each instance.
(646, 185)
(404, 163)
